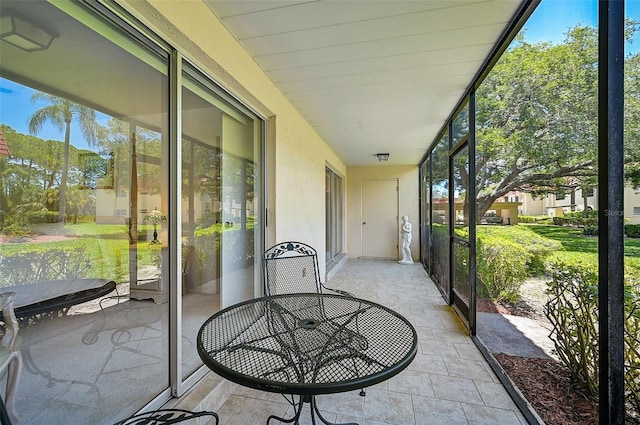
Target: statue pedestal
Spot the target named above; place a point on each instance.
(405, 261)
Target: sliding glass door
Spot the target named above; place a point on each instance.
(219, 208)
(100, 196)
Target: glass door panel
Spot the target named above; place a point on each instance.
(85, 121)
(220, 230)
(425, 219)
(460, 240)
(440, 215)
(333, 215)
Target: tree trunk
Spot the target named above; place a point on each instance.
(65, 173)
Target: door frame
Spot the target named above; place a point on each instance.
(467, 312)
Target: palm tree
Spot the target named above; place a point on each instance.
(61, 112)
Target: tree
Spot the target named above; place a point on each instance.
(632, 121)
(34, 166)
(115, 139)
(537, 119)
(61, 112)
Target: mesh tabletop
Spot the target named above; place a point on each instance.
(307, 343)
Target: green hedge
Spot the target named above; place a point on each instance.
(578, 219)
(42, 216)
(507, 256)
(538, 247)
(535, 219)
(501, 267)
(632, 230)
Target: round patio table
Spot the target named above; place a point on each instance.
(307, 345)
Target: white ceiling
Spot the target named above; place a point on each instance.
(370, 76)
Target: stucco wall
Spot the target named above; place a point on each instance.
(296, 195)
(408, 202)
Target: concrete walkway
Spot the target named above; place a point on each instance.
(515, 336)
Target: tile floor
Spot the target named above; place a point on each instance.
(449, 382)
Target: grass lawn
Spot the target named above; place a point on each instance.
(585, 248)
(106, 246)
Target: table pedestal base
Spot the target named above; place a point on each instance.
(313, 408)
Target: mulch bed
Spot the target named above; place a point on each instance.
(546, 385)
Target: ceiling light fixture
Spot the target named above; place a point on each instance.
(24, 34)
(383, 157)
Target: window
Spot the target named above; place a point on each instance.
(636, 210)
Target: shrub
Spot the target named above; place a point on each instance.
(41, 265)
(578, 219)
(632, 345)
(15, 230)
(632, 230)
(538, 247)
(81, 219)
(41, 216)
(526, 218)
(535, 219)
(572, 309)
(501, 267)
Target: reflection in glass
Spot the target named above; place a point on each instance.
(460, 127)
(87, 137)
(219, 204)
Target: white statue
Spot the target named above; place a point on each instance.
(406, 241)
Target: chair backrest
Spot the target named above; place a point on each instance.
(291, 267)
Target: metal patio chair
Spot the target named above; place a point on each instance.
(292, 267)
(10, 358)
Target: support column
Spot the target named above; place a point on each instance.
(611, 210)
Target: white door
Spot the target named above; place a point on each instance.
(380, 218)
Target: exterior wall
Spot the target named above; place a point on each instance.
(408, 202)
(631, 204)
(557, 208)
(296, 171)
(529, 204)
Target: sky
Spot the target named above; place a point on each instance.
(552, 19)
(549, 22)
(16, 108)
